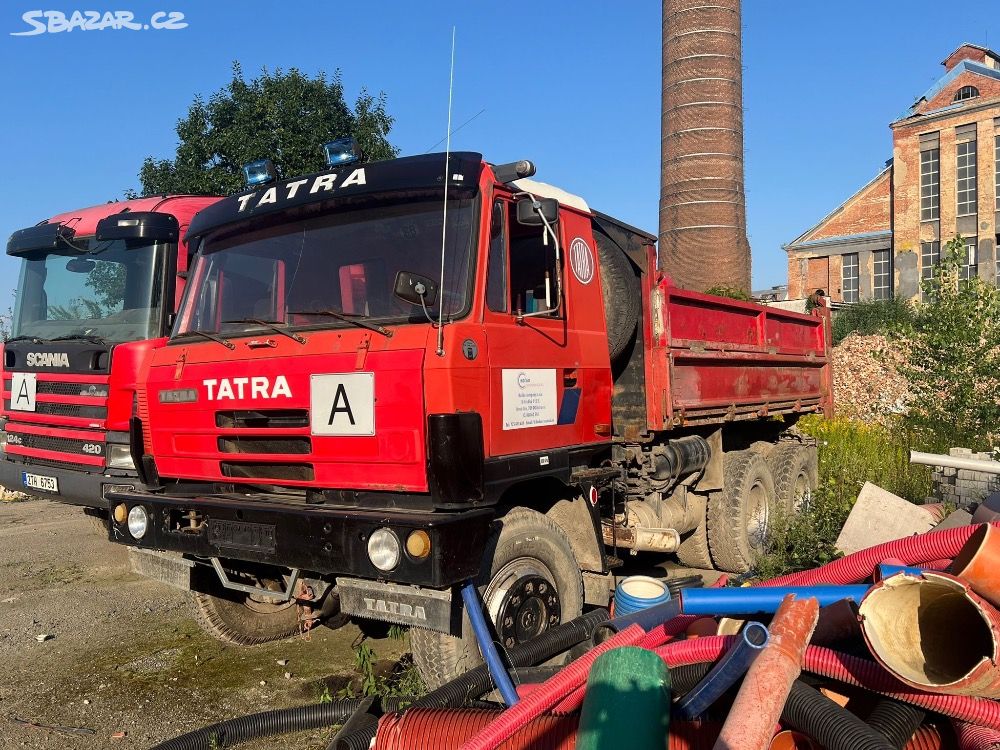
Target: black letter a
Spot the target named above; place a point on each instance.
(346, 408)
(23, 394)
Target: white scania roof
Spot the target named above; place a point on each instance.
(544, 190)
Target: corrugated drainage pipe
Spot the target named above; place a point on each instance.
(833, 727)
(758, 705)
(859, 566)
(851, 670)
(972, 737)
(548, 694)
(934, 633)
(896, 720)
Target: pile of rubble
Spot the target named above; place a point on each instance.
(867, 384)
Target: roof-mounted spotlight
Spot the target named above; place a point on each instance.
(260, 172)
(515, 170)
(342, 151)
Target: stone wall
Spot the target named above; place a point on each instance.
(962, 487)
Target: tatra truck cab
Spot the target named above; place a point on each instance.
(390, 378)
(97, 291)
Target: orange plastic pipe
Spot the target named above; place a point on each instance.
(978, 563)
(757, 708)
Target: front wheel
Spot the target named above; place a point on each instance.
(530, 581)
(244, 619)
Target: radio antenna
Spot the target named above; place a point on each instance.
(444, 222)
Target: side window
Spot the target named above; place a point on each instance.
(496, 272)
(532, 269)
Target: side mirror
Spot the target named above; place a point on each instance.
(415, 289)
(80, 265)
(530, 213)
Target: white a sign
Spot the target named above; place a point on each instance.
(342, 404)
(529, 398)
(23, 386)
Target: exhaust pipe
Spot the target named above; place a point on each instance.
(934, 633)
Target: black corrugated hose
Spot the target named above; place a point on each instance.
(456, 693)
(476, 682)
(833, 727)
(897, 721)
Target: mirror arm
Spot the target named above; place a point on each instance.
(559, 285)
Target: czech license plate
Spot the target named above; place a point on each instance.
(241, 535)
(39, 482)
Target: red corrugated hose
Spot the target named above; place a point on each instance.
(972, 737)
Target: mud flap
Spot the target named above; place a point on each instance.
(401, 605)
(165, 567)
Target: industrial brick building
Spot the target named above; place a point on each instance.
(942, 181)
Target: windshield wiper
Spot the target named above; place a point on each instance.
(272, 325)
(92, 338)
(32, 339)
(210, 336)
(347, 318)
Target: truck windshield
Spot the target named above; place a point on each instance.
(295, 273)
(112, 290)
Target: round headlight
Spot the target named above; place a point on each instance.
(138, 520)
(383, 549)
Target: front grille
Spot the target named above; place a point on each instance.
(239, 444)
(65, 410)
(97, 390)
(263, 419)
(260, 470)
(50, 443)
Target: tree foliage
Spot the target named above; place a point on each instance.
(885, 316)
(953, 366)
(721, 290)
(283, 116)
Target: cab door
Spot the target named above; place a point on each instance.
(549, 372)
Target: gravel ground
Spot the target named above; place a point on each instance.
(124, 665)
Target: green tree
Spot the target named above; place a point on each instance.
(953, 366)
(283, 116)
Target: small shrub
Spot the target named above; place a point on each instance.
(885, 316)
(729, 291)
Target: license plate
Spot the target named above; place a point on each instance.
(241, 535)
(39, 482)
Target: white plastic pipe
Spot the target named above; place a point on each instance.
(955, 462)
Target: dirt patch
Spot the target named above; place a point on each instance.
(125, 655)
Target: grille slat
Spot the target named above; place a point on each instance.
(286, 445)
(65, 410)
(263, 419)
(261, 470)
(51, 443)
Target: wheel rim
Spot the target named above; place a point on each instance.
(758, 515)
(267, 605)
(800, 491)
(523, 601)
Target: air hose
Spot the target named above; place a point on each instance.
(484, 636)
(833, 727)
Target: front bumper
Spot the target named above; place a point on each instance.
(76, 487)
(329, 541)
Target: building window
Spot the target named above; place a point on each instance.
(996, 169)
(966, 92)
(930, 256)
(849, 277)
(882, 278)
(930, 184)
(966, 178)
(970, 260)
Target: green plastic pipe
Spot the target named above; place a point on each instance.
(627, 703)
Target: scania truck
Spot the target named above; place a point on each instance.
(98, 289)
(390, 378)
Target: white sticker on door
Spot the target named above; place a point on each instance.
(529, 398)
(342, 404)
(23, 386)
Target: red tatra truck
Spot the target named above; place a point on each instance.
(98, 290)
(389, 378)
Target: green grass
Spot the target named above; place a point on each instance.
(850, 453)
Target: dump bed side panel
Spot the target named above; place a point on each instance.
(721, 359)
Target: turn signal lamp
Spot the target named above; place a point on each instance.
(418, 544)
(260, 172)
(121, 513)
(342, 151)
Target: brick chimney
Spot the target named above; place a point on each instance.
(703, 241)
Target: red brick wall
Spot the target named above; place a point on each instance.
(866, 212)
(989, 88)
(965, 52)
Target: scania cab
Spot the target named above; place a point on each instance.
(391, 378)
(98, 289)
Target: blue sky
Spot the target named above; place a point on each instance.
(573, 86)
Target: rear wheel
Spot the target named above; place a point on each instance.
(245, 619)
(739, 517)
(530, 582)
(796, 474)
